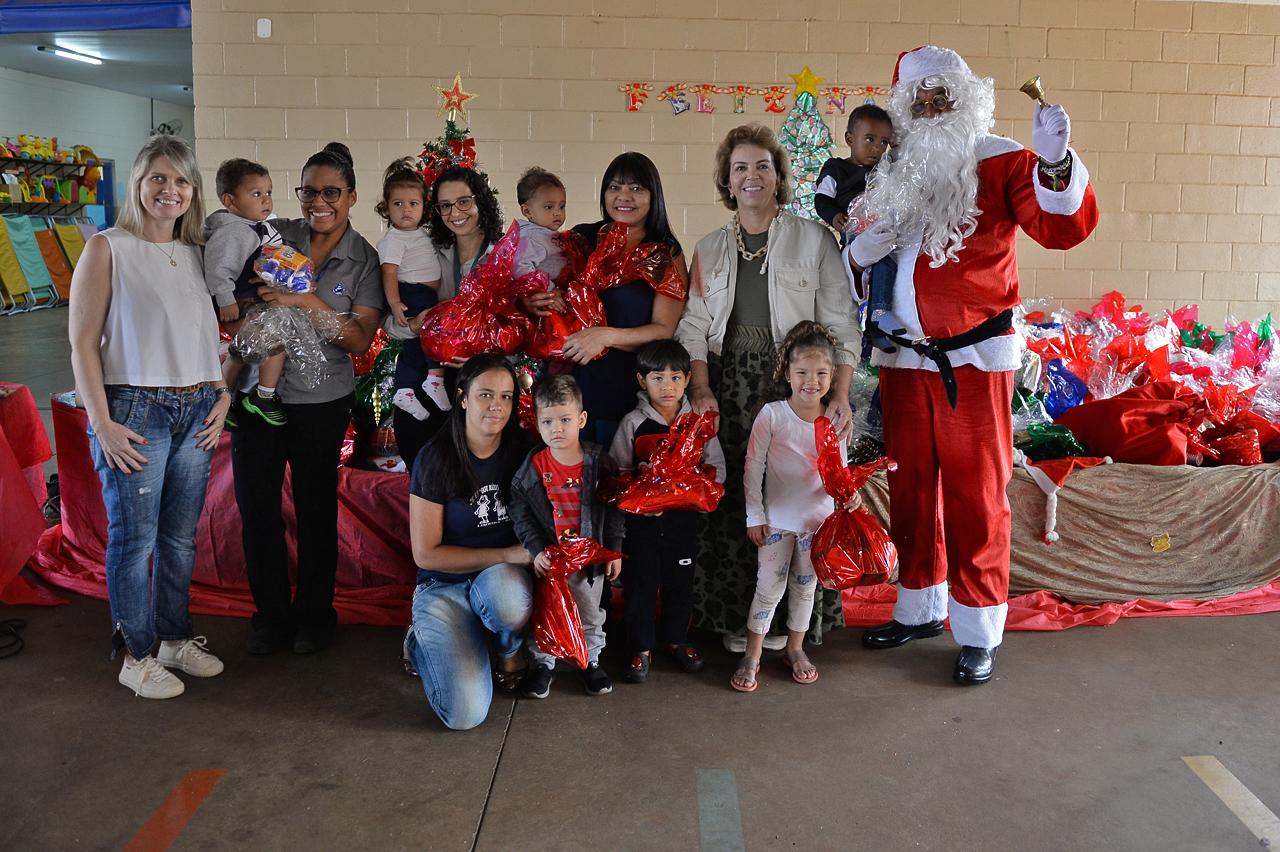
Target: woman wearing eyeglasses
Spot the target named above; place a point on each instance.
(348, 281)
(464, 223)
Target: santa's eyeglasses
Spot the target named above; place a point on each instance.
(940, 103)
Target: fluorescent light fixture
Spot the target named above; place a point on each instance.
(69, 54)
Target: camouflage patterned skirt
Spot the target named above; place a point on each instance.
(726, 577)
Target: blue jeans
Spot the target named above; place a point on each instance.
(448, 643)
(153, 510)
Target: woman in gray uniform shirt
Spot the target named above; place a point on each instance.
(348, 280)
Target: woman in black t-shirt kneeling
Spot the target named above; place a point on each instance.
(474, 584)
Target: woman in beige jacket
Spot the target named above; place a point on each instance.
(752, 281)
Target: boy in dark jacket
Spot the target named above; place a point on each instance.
(554, 492)
(660, 548)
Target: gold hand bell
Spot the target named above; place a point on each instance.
(1034, 89)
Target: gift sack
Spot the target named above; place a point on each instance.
(675, 480)
(484, 315)
(850, 548)
(557, 627)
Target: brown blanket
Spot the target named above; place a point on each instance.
(1223, 528)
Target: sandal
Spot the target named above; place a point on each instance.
(638, 671)
(807, 677)
(740, 676)
(509, 681)
(687, 658)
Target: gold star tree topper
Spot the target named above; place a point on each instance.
(807, 81)
(453, 100)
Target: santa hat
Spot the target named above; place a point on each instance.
(1051, 475)
(928, 61)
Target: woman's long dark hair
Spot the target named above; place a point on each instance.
(486, 203)
(634, 167)
(446, 461)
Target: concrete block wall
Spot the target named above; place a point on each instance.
(1175, 106)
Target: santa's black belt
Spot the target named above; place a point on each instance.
(936, 348)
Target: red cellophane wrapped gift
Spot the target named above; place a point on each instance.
(611, 264)
(484, 316)
(850, 547)
(557, 628)
(674, 479)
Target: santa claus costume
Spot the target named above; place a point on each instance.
(951, 205)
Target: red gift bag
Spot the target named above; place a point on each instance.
(484, 315)
(557, 627)
(674, 479)
(850, 548)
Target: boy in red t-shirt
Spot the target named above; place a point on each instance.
(554, 492)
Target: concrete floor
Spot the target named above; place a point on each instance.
(1077, 744)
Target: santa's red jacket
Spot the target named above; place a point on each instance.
(983, 280)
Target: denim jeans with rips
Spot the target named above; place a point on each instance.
(449, 641)
(153, 512)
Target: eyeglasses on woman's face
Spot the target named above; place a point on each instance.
(308, 194)
(464, 204)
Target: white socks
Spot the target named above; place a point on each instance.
(406, 400)
(436, 392)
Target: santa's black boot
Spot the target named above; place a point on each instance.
(975, 665)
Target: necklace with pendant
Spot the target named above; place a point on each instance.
(742, 247)
(169, 254)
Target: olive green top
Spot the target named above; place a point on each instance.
(751, 297)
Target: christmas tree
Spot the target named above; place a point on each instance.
(807, 141)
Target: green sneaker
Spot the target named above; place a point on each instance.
(230, 423)
(266, 407)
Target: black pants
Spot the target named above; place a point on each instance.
(660, 556)
(309, 444)
(412, 363)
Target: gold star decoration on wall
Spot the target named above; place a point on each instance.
(807, 81)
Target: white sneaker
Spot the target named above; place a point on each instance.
(736, 643)
(148, 679)
(190, 656)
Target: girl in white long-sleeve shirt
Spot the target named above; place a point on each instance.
(785, 499)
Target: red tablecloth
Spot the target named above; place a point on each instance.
(24, 448)
(20, 420)
(375, 568)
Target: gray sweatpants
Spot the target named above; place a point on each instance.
(587, 596)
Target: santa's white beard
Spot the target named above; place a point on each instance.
(933, 180)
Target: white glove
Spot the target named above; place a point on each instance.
(1050, 133)
(873, 244)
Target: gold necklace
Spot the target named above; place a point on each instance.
(742, 247)
(170, 253)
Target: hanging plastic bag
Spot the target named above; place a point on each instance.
(557, 626)
(850, 548)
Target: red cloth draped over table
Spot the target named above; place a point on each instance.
(24, 448)
(375, 568)
(376, 573)
(20, 420)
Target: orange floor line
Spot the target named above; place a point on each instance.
(176, 811)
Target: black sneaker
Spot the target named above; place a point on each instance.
(311, 640)
(638, 671)
(266, 407)
(537, 684)
(230, 423)
(596, 681)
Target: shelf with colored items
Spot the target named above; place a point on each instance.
(49, 188)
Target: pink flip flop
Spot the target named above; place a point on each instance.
(796, 676)
(754, 682)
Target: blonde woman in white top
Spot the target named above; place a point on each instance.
(144, 350)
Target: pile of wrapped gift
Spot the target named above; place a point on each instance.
(1118, 382)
